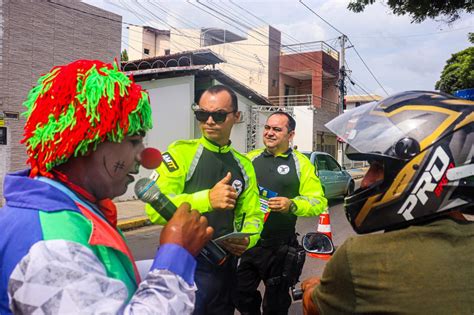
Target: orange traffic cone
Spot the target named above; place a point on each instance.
(324, 227)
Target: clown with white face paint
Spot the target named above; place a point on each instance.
(290, 177)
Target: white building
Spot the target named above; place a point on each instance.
(353, 101)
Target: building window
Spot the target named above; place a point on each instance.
(167, 52)
(3, 135)
(146, 51)
(274, 82)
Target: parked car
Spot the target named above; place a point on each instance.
(336, 181)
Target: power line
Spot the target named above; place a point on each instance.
(235, 49)
(356, 84)
(263, 35)
(136, 14)
(370, 71)
(353, 46)
(353, 79)
(304, 4)
(179, 34)
(260, 19)
(417, 35)
(89, 13)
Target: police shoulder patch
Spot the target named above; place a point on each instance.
(170, 163)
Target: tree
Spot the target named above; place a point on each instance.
(420, 10)
(458, 73)
(124, 55)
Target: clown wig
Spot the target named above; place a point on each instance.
(77, 106)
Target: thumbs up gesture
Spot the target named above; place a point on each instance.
(223, 196)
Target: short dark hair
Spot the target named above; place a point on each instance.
(220, 88)
(291, 121)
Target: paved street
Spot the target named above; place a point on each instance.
(144, 241)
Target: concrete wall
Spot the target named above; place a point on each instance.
(323, 72)
(274, 42)
(135, 42)
(309, 63)
(171, 101)
(140, 38)
(35, 36)
(173, 119)
(185, 39)
(304, 136)
(239, 131)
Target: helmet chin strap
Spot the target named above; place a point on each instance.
(459, 172)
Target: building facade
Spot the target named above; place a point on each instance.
(252, 59)
(147, 42)
(308, 80)
(35, 36)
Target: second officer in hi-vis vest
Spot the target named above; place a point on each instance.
(289, 188)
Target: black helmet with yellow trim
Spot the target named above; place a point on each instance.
(425, 142)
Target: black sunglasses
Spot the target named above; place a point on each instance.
(218, 117)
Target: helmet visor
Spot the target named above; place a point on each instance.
(370, 130)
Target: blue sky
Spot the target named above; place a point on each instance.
(402, 55)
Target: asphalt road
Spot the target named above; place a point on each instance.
(144, 242)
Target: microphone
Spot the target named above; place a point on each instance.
(147, 191)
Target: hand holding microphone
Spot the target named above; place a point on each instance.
(186, 226)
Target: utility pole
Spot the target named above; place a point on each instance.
(342, 74)
(342, 90)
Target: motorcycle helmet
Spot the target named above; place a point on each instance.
(424, 141)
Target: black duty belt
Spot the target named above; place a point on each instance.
(276, 241)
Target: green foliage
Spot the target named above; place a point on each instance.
(420, 10)
(471, 37)
(458, 73)
(124, 55)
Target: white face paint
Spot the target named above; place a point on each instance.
(283, 169)
(237, 184)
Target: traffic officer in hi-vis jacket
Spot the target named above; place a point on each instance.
(220, 183)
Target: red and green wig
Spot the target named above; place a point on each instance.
(77, 106)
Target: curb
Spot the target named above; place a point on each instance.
(130, 224)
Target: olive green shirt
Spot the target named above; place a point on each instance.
(427, 269)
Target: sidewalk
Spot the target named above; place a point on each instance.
(131, 215)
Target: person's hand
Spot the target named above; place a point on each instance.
(235, 246)
(223, 196)
(308, 286)
(279, 204)
(188, 229)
